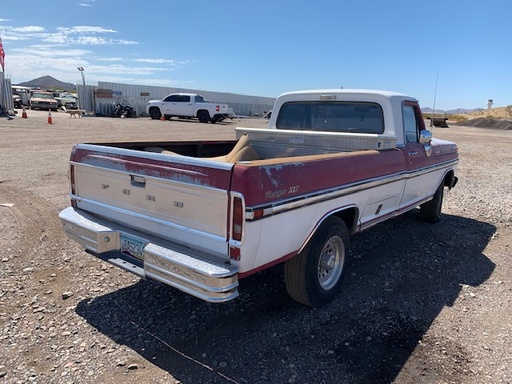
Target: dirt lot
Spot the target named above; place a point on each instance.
(422, 303)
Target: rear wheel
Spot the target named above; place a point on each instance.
(314, 276)
(203, 116)
(155, 114)
(431, 210)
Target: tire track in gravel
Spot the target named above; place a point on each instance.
(32, 277)
(30, 228)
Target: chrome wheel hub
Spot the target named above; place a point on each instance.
(330, 263)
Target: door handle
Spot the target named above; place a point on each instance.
(138, 181)
(411, 154)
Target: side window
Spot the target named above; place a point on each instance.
(184, 99)
(172, 98)
(410, 124)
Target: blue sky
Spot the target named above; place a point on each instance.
(265, 48)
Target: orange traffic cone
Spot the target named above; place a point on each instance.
(162, 117)
(24, 113)
(50, 121)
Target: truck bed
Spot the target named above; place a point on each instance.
(263, 144)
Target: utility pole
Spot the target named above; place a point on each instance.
(81, 69)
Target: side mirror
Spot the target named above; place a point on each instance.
(425, 140)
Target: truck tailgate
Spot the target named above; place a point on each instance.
(176, 198)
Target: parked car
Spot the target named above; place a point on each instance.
(20, 96)
(43, 100)
(67, 102)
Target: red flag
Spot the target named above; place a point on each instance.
(2, 55)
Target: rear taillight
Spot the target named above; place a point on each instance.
(237, 217)
(72, 184)
(72, 178)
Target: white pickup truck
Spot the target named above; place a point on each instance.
(201, 215)
(187, 105)
(43, 100)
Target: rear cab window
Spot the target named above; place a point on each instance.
(349, 117)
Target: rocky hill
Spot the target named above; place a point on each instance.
(488, 122)
(500, 113)
(494, 118)
(49, 82)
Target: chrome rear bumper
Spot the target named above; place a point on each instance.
(189, 270)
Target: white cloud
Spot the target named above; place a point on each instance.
(29, 29)
(48, 51)
(86, 3)
(78, 35)
(21, 33)
(124, 69)
(108, 59)
(84, 29)
(155, 61)
(15, 38)
(35, 51)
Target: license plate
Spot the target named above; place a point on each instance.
(133, 247)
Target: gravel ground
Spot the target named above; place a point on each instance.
(421, 303)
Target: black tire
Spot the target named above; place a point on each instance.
(314, 276)
(431, 210)
(155, 114)
(203, 116)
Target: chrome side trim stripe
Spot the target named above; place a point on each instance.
(333, 193)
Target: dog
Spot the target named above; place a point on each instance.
(75, 113)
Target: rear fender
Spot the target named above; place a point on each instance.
(348, 214)
(450, 180)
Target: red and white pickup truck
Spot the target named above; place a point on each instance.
(201, 215)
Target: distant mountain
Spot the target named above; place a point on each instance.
(462, 111)
(458, 111)
(48, 82)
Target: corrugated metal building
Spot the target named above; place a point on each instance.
(6, 93)
(102, 98)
